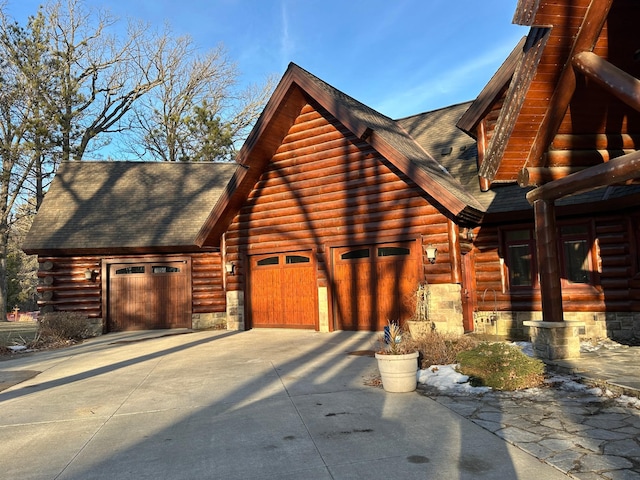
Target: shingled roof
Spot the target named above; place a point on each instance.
(298, 87)
(126, 207)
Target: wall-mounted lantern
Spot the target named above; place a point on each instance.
(90, 274)
(230, 268)
(431, 252)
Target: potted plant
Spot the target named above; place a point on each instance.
(419, 324)
(397, 360)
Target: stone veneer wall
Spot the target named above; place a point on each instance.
(445, 308)
(203, 321)
(235, 310)
(618, 326)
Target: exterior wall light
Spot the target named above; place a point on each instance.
(431, 252)
(230, 268)
(89, 274)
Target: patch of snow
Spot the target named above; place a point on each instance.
(17, 348)
(447, 378)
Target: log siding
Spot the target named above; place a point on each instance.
(62, 285)
(325, 187)
(614, 266)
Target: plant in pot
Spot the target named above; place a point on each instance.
(397, 360)
(420, 302)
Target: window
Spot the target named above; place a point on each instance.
(164, 269)
(520, 248)
(353, 254)
(296, 259)
(268, 261)
(393, 251)
(130, 270)
(574, 250)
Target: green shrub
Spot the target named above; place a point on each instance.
(64, 326)
(501, 367)
(442, 348)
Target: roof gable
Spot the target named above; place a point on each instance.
(298, 87)
(575, 102)
(120, 207)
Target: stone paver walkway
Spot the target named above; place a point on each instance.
(582, 434)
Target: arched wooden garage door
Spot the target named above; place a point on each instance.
(283, 290)
(149, 295)
(373, 284)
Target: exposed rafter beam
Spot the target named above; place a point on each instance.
(617, 170)
(614, 80)
(585, 41)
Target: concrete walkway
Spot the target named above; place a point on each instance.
(262, 404)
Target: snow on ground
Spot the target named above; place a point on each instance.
(446, 379)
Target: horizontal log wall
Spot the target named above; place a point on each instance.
(324, 188)
(62, 285)
(207, 284)
(617, 285)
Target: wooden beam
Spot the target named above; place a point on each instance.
(548, 260)
(614, 80)
(485, 183)
(453, 232)
(578, 158)
(536, 176)
(599, 141)
(586, 39)
(514, 100)
(618, 170)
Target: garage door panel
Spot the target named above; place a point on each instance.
(283, 290)
(373, 287)
(265, 305)
(149, 296)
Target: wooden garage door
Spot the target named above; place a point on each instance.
(373, 284)
(145, 296)
(283, 291)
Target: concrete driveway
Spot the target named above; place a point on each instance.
(262, 404)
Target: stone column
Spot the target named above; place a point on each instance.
(555, 340)
(235, 310)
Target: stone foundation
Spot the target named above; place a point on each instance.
(555, 340)
(235, 310)
(204, 321)
(617, 326)
(96, 326)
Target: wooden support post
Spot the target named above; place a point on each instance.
(548, 260)
(454, 252)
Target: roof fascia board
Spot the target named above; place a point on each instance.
(492, 92)
(516, 95)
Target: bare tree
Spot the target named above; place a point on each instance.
(100, 76)
(198, 113)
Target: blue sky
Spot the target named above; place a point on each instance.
(400, 57)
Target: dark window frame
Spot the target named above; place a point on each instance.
(576, 232)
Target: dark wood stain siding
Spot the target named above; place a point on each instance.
(617, 287)
(207, 284)
(324, 187)
(591, 109)
(62, 285)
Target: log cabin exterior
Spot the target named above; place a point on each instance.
(116, 240)
(325, 220)
(562, 118)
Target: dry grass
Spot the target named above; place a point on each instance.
(442, 348)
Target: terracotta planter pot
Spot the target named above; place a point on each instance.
(399, 372)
